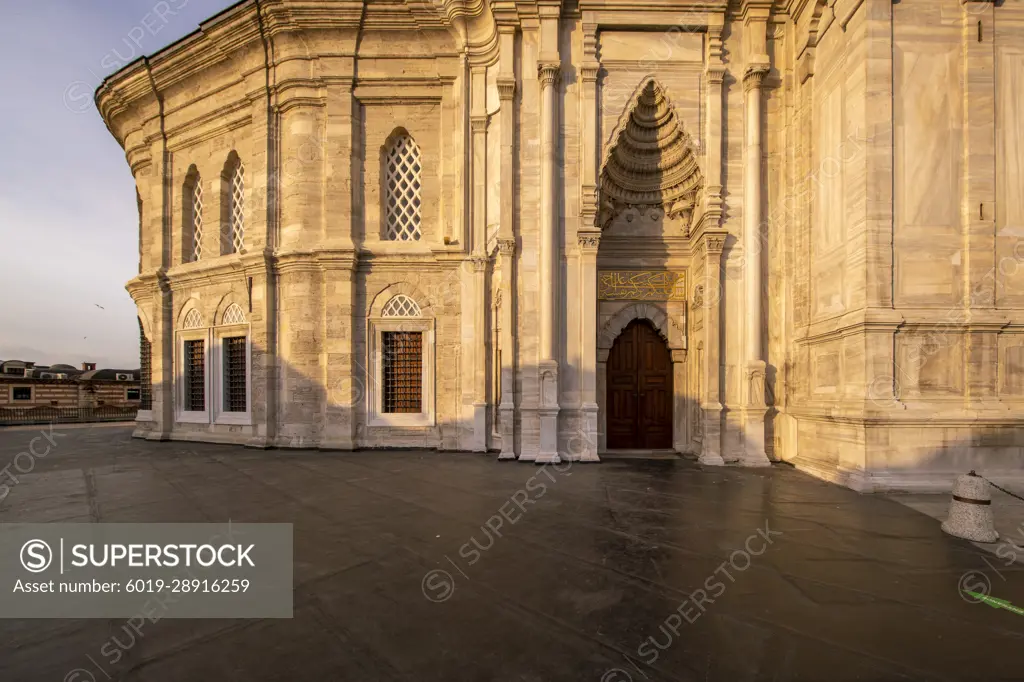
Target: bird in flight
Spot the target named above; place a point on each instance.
(99, 306)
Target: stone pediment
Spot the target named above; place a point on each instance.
(652, 162)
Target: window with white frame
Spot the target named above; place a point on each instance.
(233, 384)
(402, 176)
(192, 374)
(401, 354)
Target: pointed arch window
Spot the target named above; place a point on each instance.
(233, 205)
(402, 183)
(192, 217)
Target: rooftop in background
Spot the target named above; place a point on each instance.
(88, 371)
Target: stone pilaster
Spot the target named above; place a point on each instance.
(548, 74)
(507, 249)
(709, 297)
(345, 371)
(588, 240)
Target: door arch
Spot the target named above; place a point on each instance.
(639, 389)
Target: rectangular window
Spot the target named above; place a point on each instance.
(195, 376)
(402, 369)
(21, 393)
(133, 394)
(234, 373)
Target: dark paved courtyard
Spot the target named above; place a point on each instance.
(425, 566)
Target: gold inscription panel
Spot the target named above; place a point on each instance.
(641, 285)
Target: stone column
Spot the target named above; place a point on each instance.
(710, 298)
(548, 72)
(589, 237)
(588, 244)
(754, 407)
(507, 250)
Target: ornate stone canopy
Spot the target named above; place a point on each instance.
(652, 163)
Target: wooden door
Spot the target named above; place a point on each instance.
(639, 382)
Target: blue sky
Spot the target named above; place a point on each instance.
(68, 219)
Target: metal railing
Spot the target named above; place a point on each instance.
(46, 414)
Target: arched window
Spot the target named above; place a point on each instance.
(233, 206)
(400, 379)
(192, 217)
(233, 315)
(231, 373)
(401, 306)
(192, 375)
(402, 171)
(193, 320)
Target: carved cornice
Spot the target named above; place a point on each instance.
(754, 76)
(506, 89)
(548, 73)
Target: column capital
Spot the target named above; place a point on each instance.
(588, 71)
(506, 88)
(507, 247)
(714, 243)
(478, 124)
(716, 74)
(588, 240)
(548, 73)
(754, 76)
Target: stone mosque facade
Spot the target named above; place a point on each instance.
(744, 230)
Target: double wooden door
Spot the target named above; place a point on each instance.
(639, 390)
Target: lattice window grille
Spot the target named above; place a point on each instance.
(403, 190)
(195, 376)
(193, 320)
(197, 219)
(401, 306)
(238, 208)
(233, 315)
(145, 371)
(234, 374)
(402, 369)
